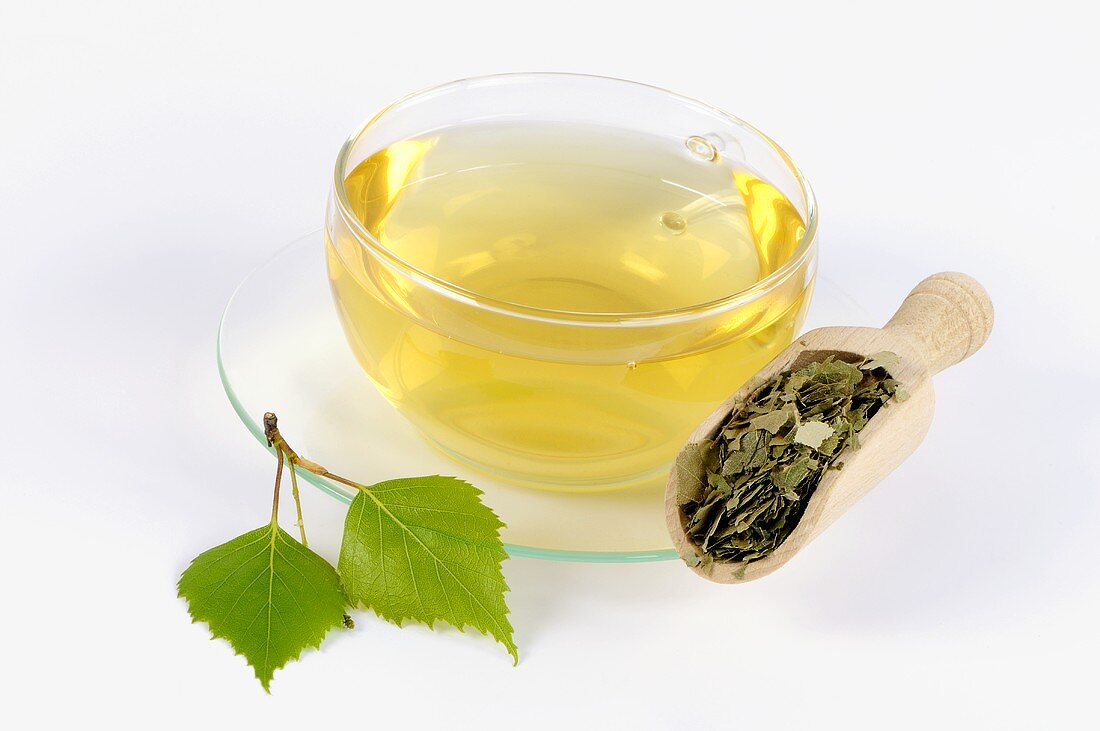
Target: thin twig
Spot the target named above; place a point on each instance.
(275, 439)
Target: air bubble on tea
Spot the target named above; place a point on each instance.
(673, 222)
(702, 148)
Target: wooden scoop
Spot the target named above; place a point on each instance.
(944, 320)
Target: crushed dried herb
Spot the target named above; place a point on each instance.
(743, 493)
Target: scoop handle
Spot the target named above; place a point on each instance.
(948, 316)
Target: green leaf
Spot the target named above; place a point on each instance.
(267, 594)
(427, 549)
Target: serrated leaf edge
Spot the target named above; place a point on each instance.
(510, 644)
(266, 683)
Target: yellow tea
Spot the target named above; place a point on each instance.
(552, 302)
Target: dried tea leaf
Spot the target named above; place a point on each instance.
(691, 559)
(772, 421)
(791, 475)
(889, 362)
(743, 494)
(813, 433)
(690, 470)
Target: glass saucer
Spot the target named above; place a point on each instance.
(281, 349)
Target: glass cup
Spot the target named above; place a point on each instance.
(568, 396)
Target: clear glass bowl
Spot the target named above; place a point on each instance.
(561, 397)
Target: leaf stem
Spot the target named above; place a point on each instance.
(297, 502)
(275, 498)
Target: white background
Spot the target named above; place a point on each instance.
(151, 153)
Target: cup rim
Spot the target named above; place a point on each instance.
(802, 254)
